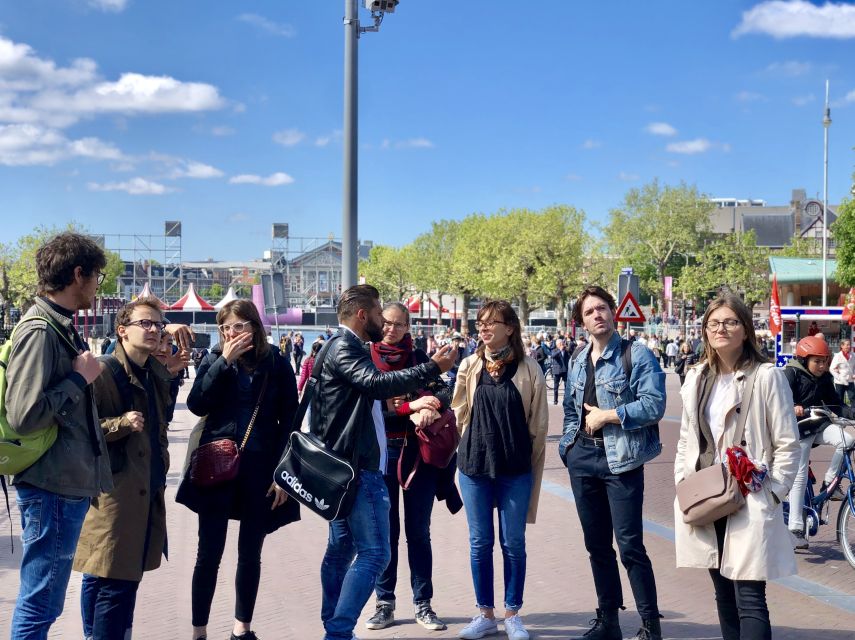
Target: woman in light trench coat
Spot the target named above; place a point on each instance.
(744, 550)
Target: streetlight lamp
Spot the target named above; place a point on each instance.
(352, 30)
(826, 123)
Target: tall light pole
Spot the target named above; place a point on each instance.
(826, 123)
(352, 30)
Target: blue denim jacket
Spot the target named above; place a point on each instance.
(639, 403)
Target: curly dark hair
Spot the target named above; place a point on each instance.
(596, 291)
(125, 313)
(57, 259)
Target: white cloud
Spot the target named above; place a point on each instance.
(134, 186)
(572, 177)
(289, 137)
(322, 141)
(115, 6)
(411, 143)
(268, 26)
(749, 96)
(592, 144)
(237, 217)
(661, 129)
(801, 101)
(691, 147)
(850, 97)
(789, 68)
(222, 130)
(796, 18)
(27, 144)
(628, 177)
(190, 169)
(35, 90)
(273, 180)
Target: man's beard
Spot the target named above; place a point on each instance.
(374, 331)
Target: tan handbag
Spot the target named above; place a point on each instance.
(713, 492)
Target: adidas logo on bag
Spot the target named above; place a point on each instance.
(294, 483)
(320, 504)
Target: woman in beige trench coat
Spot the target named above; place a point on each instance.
(744, 550)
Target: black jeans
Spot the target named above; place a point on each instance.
(418, 505)
(846, 393)
(742, 610)
(608, 502)
(107, 605)
(556, 379)
(213, 526)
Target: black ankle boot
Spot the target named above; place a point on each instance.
(604, 627)
(650, 630)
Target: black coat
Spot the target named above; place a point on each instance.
(348, 386)
(214, 396)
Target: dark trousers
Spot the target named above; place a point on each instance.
(611, 503)
(107, 606)
(418, 505)
(557, 378)
(846, 393)
(213, 527)
(742, 610)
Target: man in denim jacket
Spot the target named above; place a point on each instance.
(610, 430)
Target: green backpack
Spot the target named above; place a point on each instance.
(17, 452)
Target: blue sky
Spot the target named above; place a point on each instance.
(121, 114)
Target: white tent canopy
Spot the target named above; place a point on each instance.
(230, 295)
(146, 293)
(191, 301)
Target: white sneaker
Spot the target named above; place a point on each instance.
(515, 629)
(479, 627)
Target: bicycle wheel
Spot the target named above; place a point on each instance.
(846, 531)
(550, 381)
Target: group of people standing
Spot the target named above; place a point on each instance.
(375, 390)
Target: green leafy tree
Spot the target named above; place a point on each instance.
(655, 223)
(472, 258)
(844, 235)
(733, 262)
(433, 253)
(112, 272)
(389, 269)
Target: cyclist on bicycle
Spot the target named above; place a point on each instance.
(813, 386)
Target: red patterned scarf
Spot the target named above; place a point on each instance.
(392, 357)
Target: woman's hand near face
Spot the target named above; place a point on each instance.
(235, 347)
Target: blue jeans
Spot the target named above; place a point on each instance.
(107, 606)
(347, 583)
(510, 495)
(50, 525)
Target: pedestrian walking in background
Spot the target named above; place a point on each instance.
(346, 415)
(672, 349)
(306, 368)
(242, 383)
(686, 358)
(843, 370)
(611, 430)
(298, 349)
(285, 346)
(560, 359)
(124, 533)
(500, 404)
(424, 482)
(744, 550)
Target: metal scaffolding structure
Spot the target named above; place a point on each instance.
(155, 260)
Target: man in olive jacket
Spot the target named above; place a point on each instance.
(124, 533)
(347, 416)
(49, 376)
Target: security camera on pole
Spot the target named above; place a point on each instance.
(352, 30)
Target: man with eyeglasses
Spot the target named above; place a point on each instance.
(124, 533)
(614, 399)
(49, 378)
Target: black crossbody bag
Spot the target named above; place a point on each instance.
(310, 472)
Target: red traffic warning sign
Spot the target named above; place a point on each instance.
(629, 310)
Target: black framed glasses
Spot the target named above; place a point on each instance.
(146, 324)
(729, 324)
(394, 325)
(486, 326)
(101, 277)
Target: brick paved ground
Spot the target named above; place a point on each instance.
(559, 590)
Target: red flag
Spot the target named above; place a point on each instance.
(849, 307)
(775, 308)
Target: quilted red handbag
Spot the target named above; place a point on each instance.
(219, 461)
(437, 443)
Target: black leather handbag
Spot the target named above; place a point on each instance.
(310, 472)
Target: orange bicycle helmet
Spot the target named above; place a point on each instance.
(812, 346)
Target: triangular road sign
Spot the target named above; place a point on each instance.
(629, 310)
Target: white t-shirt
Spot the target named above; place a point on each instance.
(720, 401)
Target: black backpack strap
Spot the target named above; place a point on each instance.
(575, 355)
(8, 512)
(121, 379)
(626, 357)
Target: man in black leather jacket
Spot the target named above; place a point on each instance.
(347, 416)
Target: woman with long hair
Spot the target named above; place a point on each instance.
(685, 360)
(734, 384)
(500, 404)
(424, 483)
(242, 383)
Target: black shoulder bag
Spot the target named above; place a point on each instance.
(310, 472)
